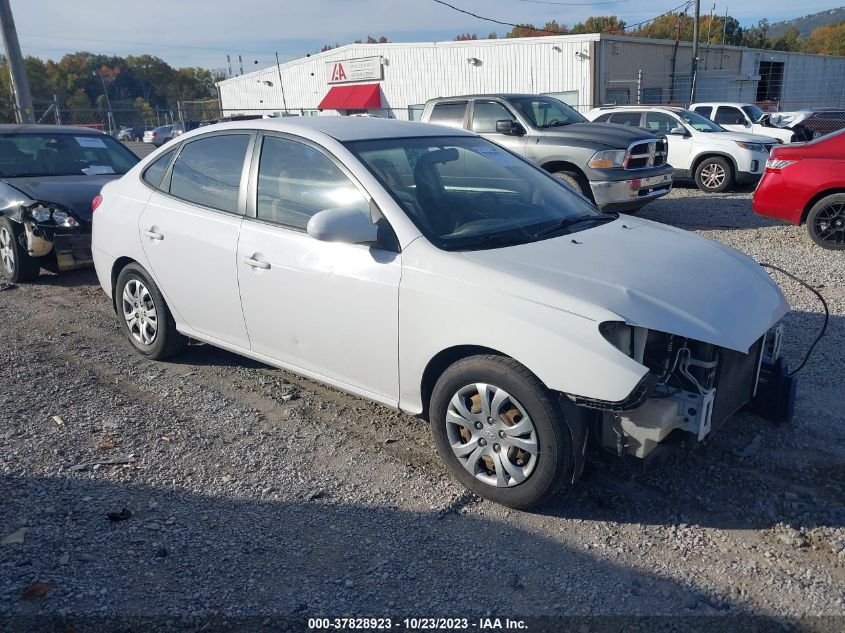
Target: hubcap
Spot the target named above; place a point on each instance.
(829, 223)
(492, 435)
(139, 312)
(7, 250)
(713, 175)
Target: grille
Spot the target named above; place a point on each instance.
(646, 154)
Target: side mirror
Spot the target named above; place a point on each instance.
(347, 224)
(678, 131)
(507, 126)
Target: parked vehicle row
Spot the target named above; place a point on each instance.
(747, 117)
(431, 270)
(617, 168)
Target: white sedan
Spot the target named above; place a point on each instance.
(433, 271)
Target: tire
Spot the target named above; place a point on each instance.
(826, 222)
(18, 265)
(156, 337)
(523, 401)
(577, 182)
(714, 175)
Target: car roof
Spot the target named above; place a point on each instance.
(340, 128)
(735, 104)
(622, 108)
(493, 95)
(18, 128)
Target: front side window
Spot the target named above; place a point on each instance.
(295, 181)
(155, 172)
(660, 123)
(466, 193)
(753, 112)
(486, 113)
(728, 115)
(450, 114)
(208, 171)
(546, 112)
(58, 154)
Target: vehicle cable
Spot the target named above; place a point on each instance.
(824, 305)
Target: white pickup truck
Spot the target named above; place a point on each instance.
(744, 117)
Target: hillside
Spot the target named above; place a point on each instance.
(809, 22)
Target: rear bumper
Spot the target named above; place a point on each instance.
(773, 198)
(633, 193)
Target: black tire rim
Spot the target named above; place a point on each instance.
(829, 224)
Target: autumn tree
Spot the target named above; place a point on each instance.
(609, 24)
(465, 37)
(529, 30)
(827, 40)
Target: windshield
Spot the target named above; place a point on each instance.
(545, 112)
(699, 122)
(466, 193)
(52, 154)
(753, 112)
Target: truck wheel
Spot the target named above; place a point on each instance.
(714, 175)
(17, 263)
(576, 182)
(144, 315)
(826, 222)
(500, 431)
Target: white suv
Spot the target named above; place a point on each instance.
(698, 148)
(743, 117)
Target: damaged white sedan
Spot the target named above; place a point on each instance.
(430, 270)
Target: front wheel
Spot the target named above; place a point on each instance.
(826, 222)
(500, 431)
(17, 263)
(575, 181)
(714, 175)
(144, 316)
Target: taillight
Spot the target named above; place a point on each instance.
(775, 165)
(96, 203)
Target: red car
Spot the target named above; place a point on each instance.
(805, 182)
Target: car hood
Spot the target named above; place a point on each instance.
(742, 137)
(610, 134)
(71, 192)
(648, 275)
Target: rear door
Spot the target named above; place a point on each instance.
(483, 118)
(189, 231)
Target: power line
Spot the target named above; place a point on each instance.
(575, 4)
(684, 6)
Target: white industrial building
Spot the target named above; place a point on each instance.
(395, 79)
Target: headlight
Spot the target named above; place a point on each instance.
(608, 159)
(751, 147)
(40, 214)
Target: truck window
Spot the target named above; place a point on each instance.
(486, 113)
(705, 111)
(450, 114)
(728, 115)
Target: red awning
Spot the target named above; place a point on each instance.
(359, 97)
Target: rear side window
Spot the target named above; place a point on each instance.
(704, 111)
(155, 172)
(208, 171)
(728, 115)
(451, 114)
(604, 118)
(626, 118)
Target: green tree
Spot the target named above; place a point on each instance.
(790, 40)
(601, 24)
(79, 106)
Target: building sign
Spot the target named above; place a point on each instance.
(347, 70)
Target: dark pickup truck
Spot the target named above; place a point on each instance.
(618, 167)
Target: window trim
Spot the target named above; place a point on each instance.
(255, 162)
(244, 170)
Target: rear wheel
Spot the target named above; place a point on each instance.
(826, 222)
(17, 263)
(145, 317)
(500, 431)
(714, 175)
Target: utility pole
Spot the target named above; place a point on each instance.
(23, 100)
(281, 87)
(109, 115)
(694, 69)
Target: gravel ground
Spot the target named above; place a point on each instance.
(256, 495)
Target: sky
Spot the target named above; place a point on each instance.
(203, 32)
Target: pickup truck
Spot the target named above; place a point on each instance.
(616, 167)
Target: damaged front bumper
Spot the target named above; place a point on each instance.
(71, 245)
(690, 390)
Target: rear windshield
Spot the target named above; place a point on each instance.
(50, 154)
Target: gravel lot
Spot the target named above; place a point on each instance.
(256, 495)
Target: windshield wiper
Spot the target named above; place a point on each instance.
(568, 222)
(555, 124)
(490, 241)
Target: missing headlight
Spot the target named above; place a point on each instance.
(628, 339)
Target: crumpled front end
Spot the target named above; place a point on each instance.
(50, 228)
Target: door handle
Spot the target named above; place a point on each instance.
(256, 263)
(153, 235)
